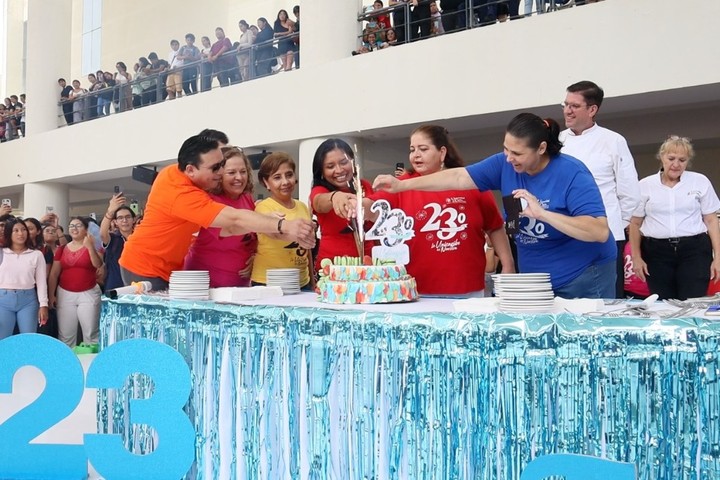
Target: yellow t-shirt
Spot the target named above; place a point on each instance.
(272, 253)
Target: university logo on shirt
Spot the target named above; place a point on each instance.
(444, 225)
(531, 229)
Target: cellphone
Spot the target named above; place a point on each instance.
(117, 189)
(399, 165)
(713, 311)
(135, 207)
(512, 207)
(7, 201)
(49, 209)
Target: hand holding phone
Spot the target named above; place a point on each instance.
(513, 207)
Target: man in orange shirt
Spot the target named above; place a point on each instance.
(178, 205)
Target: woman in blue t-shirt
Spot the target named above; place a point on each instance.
(563, 227)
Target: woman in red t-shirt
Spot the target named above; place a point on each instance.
(447, 255)
(73, 286)
(332, 188)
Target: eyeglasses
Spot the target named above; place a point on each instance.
(123, 218)
(214, 168)
(75, 226)
(571, 106)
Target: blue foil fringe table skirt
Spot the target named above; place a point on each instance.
(282, 392)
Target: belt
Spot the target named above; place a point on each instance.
(677, 240)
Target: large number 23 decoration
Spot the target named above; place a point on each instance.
(163, 411)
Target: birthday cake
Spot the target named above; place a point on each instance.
(347, 280)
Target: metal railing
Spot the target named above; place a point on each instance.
(232, 67)
(474, 13)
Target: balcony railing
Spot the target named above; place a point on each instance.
(411, 24)
(235, 66)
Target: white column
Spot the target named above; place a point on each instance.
(329, 30)
(306, 153)
(49, 30)
(39, 196)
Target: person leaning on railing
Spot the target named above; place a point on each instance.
(247, 37)
(175, 66)
(221, 63)
(189, 54)
(264, 52)
(283, 29)
(206, 66)
(125, 94)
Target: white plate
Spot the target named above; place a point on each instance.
(527, 310)
(521, 275)
(520, 303)
(506, 294)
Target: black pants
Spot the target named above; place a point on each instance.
(398, 17)
(68, 113)
(189, 77)
(158, 284)
(484, 12)
(454, 19)
(678, 268)
(420, 19)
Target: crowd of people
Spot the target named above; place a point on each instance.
(410, 20)
(12, 118)
(576, 189)
(578, 194)
(261, 50)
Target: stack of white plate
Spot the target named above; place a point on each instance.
(190, 284)
(288, 279)
(524, 292)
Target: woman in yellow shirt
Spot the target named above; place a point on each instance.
(277, 173)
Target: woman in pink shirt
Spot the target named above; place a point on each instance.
(228, 259)
(21, 271)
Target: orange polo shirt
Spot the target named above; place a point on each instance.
(175, 210)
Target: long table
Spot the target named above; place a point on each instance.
(417, 391)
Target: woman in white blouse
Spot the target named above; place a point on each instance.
(247, 37)
(23, 283)
(674, 232)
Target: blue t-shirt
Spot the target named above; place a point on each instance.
(565, 186)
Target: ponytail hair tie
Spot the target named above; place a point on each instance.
(547, 124)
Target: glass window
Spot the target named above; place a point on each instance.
(92, 35)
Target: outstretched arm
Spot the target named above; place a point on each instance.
(240, 221)
(450, 179)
